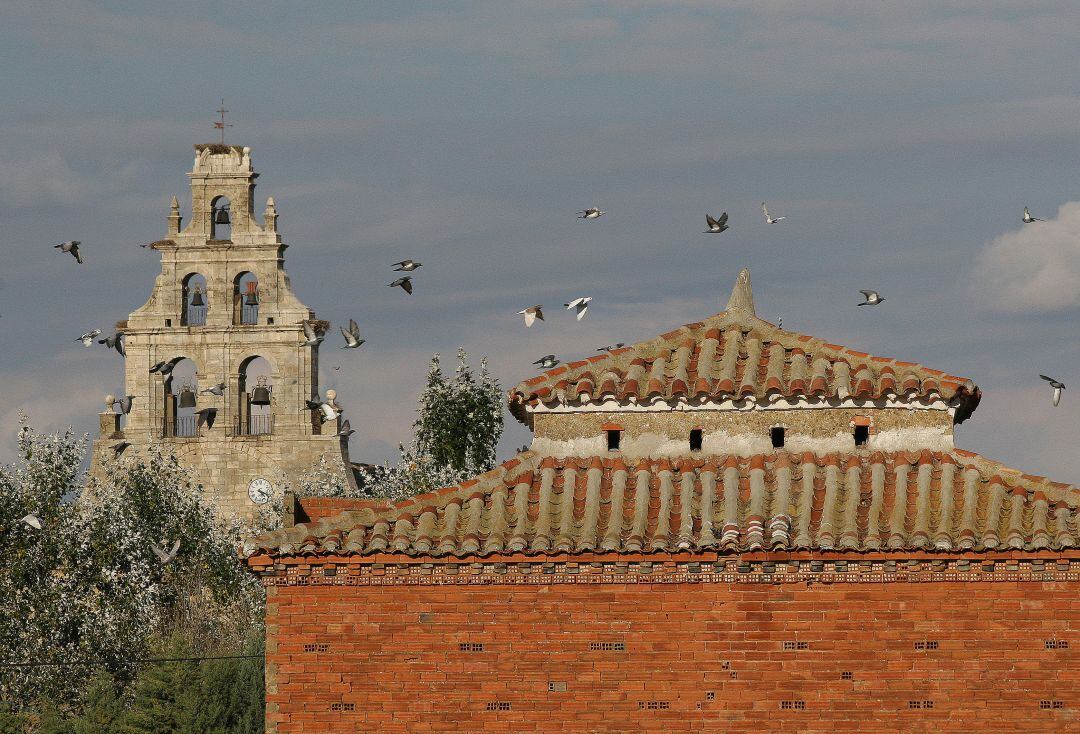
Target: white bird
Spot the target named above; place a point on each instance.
(33, 521)
(1058, 387)
(580, 305)
(218, 389)
(531, 314)
(326, 411)
(71, 246)
(311, 337)
(124, 403)
(205, 416)
(716, 226)
(591, 213)
(88, 338)
(547, 361)
(610, 347)
(768, 219)
(164, 556)
(406, 266)
(872, 298)
(352, 336)
(1028, 219)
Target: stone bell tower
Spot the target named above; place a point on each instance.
(222, 311)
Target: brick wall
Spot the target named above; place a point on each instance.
(711, 657)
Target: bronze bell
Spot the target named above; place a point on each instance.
(261, 394)
(197, 297)
(187, 397)
(221, 216)
(252, 297)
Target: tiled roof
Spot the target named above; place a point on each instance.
(736, 356)
(857, 502)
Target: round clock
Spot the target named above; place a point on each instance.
(259, 490)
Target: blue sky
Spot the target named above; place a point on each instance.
(902, 142)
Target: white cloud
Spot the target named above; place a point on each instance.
(1035, 268)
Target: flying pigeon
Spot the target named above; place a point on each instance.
(547, 361)
(88, 338)
(207, 416)
(218, 389)
(326, 411)
(406, 266)
(1028, 219)
(311, 337)
(872, 298)
(166, 367)
(352, 336)
(405, 282)
(346, 429)
(716, 226)
(581, 305)
(592, 213)
(116, 341)
(163, 556)
(118, 448)
(124, 403)
(1058, 387)
(610, 347)
(768, 219)
(71, 246)
(33, 521)
(531, 314)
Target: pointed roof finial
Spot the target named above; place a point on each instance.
(174, 204)
(742, 295)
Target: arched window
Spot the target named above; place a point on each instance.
(181, 398)
(194, 305)
(245, 299)
(256, 404)
(220, 219)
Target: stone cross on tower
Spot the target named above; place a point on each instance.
(222, 312)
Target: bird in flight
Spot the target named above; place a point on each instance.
(405, 282)
(124, 403)
(71, 246)
(33, 521)
(352, 335)
(580, 305)
(768, 219)
(1028, 219)
(166, 367)
(311, 337)
(346, 429)
(116, 341)
(406, 266)
(118, 448)
(326, 411)
(591, 213)
(205, 416)
(716, 226)
(1058, 387)
(164, 556)
(531, 314)
(610, 347)
(547, 361)
(872, 298)
(88, 338)
(218, 389)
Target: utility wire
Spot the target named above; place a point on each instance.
(37, 664)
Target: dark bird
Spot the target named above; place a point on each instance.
(592, 213)
(166, 367)
(205, 416)
(312, 338)
(116, 341)
(1058, 387)
(716, 226)
(352, 335)
(124, 403)
(118, 448)
(872, 298)
(406, 266)
(405, 282)
(218, 389)
(71, 246)
(547, 361)
(346, 429)
(164, 556)
(1028, 219)
(610, 347)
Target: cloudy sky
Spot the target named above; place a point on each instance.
(902, 140)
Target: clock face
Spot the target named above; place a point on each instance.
(259, 490)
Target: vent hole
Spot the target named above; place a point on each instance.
(777, 435)
(846, 675)
(614, 436)
(498, 706)
(695, 439)
(862, 435)
(471, 646)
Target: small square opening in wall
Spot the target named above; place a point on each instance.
(862, 435)
(695, 439)
(614, 438)
(776, 433)
(270, 321)
(168, 322)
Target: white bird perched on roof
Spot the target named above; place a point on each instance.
(547, 361)
(71, 246)
(88, 338)
(768, 219)
(610, 347)
(406, 266)
(872, 298)
(531, 314)
(164, 556)
(33, 521)
(716, 226)
(1028, 219)
(591, 213)
(312, 338)
(580, 305)
(326, 411)
(1058, 387)
(352, 335)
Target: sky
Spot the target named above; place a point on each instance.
(900, 140)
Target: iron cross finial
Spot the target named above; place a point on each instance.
(222, 124)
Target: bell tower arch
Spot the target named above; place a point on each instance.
(223, 300)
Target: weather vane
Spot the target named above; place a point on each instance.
(222, 124)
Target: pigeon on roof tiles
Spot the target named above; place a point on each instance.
(116, 341)
(124, 403)
(580, 305)
(164, 556)
(71, 246)
(591, 213)
(1028, 219)
(716, 226)
(352, 336)
(311, 337)
(547, 361)
(218, 389)
(531, 314)
(88, 338)
(406, 266)
(1058, 387)
(205, 416)
(119, 447)
(33, 521)
(326, 411)
(768, 219)
(872, 298)
(345, 429)
(405, 282)
(610, 347)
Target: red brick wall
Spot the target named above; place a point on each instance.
(698, 658)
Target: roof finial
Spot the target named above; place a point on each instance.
(742, 295)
